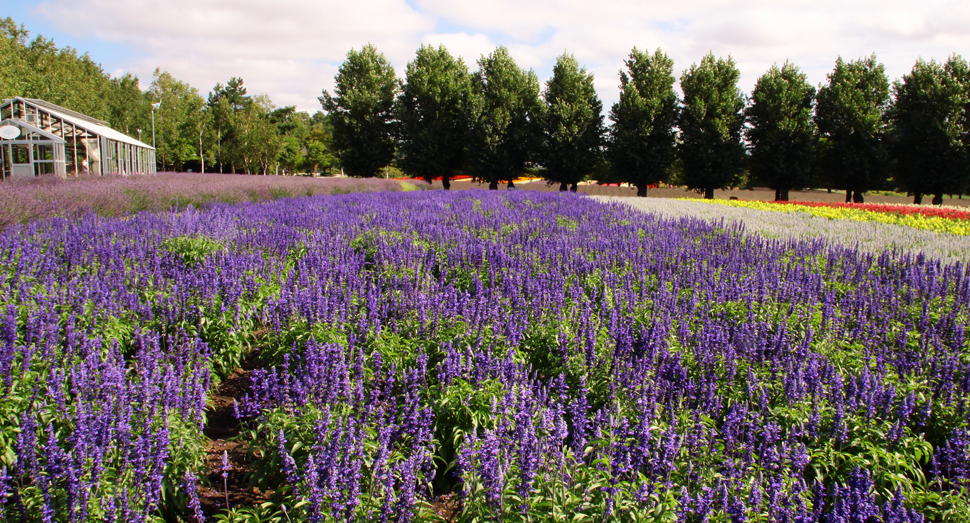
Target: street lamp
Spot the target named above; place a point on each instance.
(154, 106)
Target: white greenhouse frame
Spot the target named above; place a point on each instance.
(57, 141)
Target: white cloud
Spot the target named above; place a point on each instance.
(470, 47)
(290, 49)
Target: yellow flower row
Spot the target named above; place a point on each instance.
(916, 221)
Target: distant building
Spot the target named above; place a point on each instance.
(39, 138)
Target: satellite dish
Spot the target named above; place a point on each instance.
(9, 132)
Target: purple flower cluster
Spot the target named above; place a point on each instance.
(542, 355)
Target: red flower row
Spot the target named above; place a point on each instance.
(905, 210)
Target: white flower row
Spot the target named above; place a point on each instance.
(865, 236)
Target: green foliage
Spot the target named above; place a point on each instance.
(129, 108)
(361, 111)
(225, 105)
(642, 145)
(711, 123)
(572, 124)
(505, 129)
(781, 133)
(178, 120)
(319, 141)
(433, 113)
(927, 139)
(849, 114)
(293, 128)
(14, 70)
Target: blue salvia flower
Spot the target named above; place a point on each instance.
(189, 482)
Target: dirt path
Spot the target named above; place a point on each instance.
(222, 426)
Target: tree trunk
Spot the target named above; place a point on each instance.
(848, 196)
(642, 190)
(446, 182)
(511, 185)
(917, 198)
(938, 199)
(493, 186)
(709, 193)
(781, 195)
(574, 188)
(563, 187)
(829, 190)
(857, 197)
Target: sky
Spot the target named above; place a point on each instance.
(291, 49)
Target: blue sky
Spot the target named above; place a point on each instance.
(290, 49)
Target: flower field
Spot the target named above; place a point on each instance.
(115, 195)
(949, 221)
(950, 213)
(869, 237)
(475, 356)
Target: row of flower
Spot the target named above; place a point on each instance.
(948, 221)
(869, 237)
(950, 213)
(512, 356)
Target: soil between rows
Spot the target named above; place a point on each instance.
(220, 429)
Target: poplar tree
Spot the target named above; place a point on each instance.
(642, 146)
(927, 138)
(433, 113)
(958, 70)
(361, 111)
(781, 132)
(505, 133)
(572, 124)
(849, 113)
(711, 123)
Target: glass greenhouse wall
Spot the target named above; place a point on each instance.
(40, 138)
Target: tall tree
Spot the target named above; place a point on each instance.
(319, 144)
(63, 77)
(361, 111)
(927, 132)
(850, 113)
(642, 146)
(572, 124)
(227, 106)
(14, 71)
(293, 128)
(958, 70)
(129, 110)
(781, 132)
(711, 124)
(176, 120)
(260, 143)
(505, 129)
(433, 113)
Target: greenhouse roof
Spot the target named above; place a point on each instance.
(92, 125)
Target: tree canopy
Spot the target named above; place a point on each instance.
(433, 112)
(572, 124)
(505, 132)
(849, 113)
(780, 130)
(642, 145)
(927, 140)
(711, 122)
(361, 111)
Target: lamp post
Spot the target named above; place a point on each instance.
(154, 106)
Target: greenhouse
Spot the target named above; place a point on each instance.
(39, 138)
